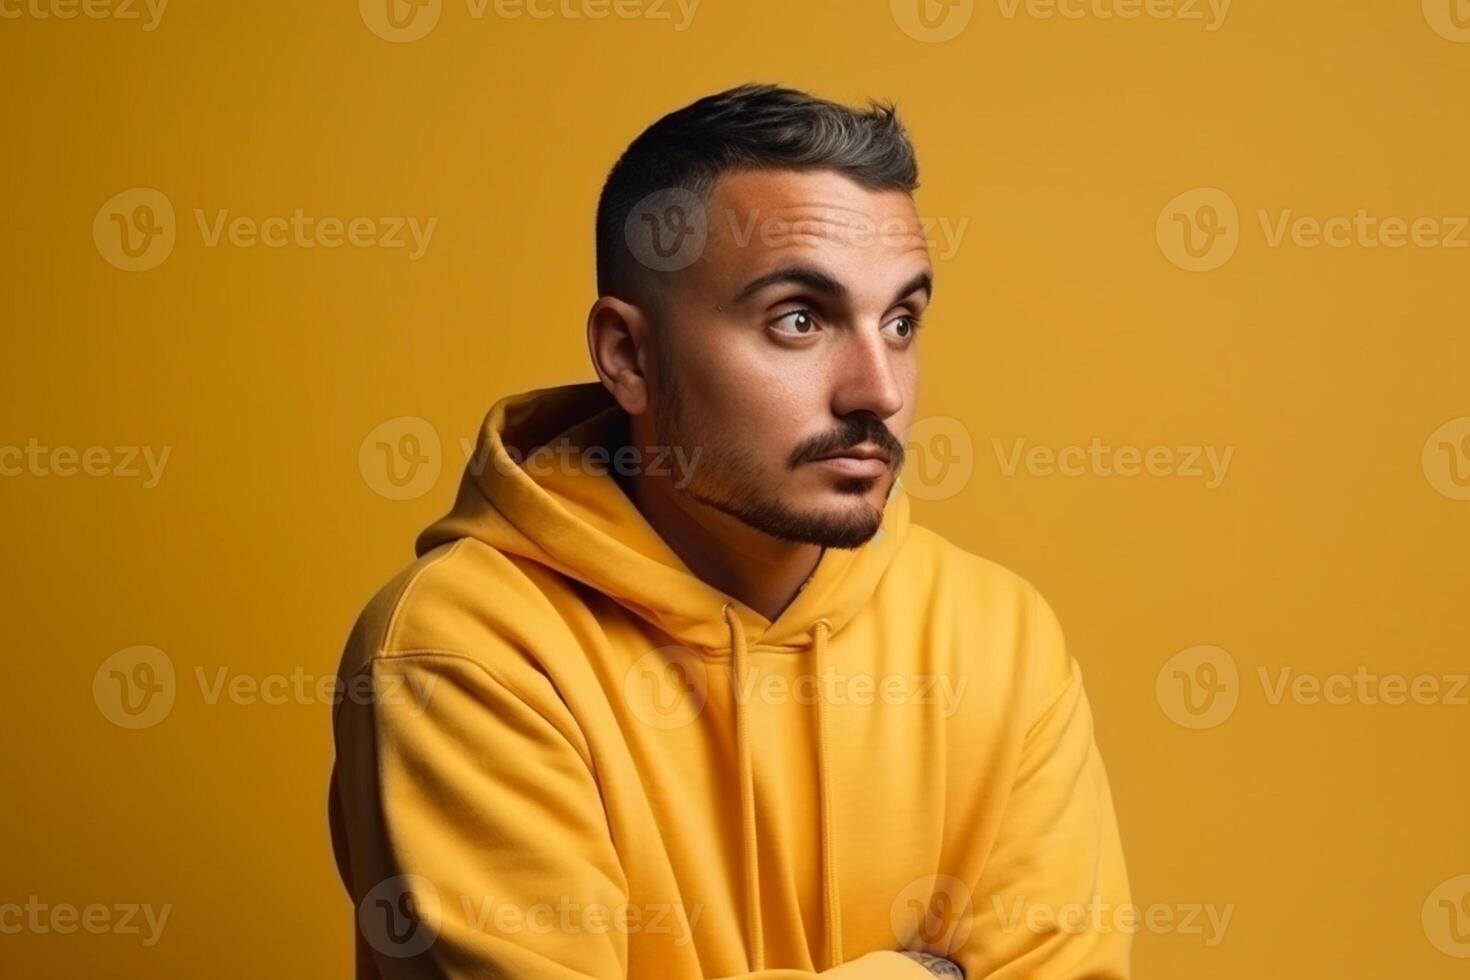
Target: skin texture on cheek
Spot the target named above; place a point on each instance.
(744, 419)
(747, 402)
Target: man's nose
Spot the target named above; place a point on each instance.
(866, 379)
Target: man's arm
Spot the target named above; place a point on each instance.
(1047, 906)
(456, 801)
(452, 800)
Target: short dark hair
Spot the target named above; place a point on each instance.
(750, 127)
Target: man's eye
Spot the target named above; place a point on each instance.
(797, 322)
(903, 327)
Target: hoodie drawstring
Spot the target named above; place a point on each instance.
(754, 939)
(831, 913)
(833, 909)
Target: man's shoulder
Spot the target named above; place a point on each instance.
(929, 557)
(997, 611)
(462, 598)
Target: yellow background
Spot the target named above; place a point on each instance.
(1059, 319)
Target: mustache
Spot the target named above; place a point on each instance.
(853, 430)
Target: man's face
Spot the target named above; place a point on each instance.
(786, 353)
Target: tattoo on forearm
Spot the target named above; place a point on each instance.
(937, 965)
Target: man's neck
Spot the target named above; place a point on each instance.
(761, 571)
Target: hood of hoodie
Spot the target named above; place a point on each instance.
(564, 510)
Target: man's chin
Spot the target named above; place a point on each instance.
(826, 517)
(848, 524)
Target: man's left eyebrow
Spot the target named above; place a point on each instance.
(801, 275)
(923, 281)
(823, 283)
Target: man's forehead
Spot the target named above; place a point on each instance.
(771, 209)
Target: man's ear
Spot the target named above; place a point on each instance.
(619, 336)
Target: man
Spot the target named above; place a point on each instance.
(676, 690)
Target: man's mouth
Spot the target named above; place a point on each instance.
(862, 461)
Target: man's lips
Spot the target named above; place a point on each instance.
(857, 461)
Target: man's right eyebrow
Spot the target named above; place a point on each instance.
(803, 275)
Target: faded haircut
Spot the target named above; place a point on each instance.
(751, 127)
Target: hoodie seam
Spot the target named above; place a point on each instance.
(1073, 678)
(408, 587)
(495, 677)
(1072, 670)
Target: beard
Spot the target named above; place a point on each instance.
(728, 478)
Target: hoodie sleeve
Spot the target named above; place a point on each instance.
(458, 811)
(1052, 900)
(464, 812)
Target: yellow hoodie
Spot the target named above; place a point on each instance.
(562, 755)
